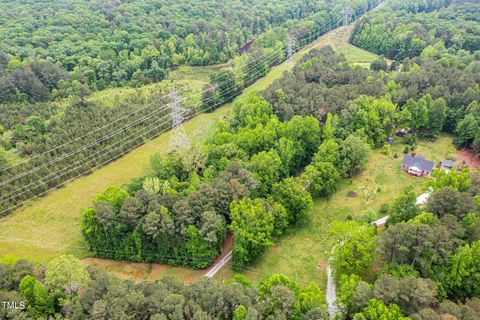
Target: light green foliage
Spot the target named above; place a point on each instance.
(241, 279)
(273, 280)
(354, 155)
(240, 313)
(292, 195)
(252, 226)
(267, 166)
(353, 252)
(113, 196)
(424, 218)
(426, 116)
(373, 116)
(353, 294)
(463, 272)
(309, 298)
(404, 207)
(400, 270)
(458, 180)
(471, 223)
(153, 186)
(321, 178)
(468, 128)
(327, 152)
(330, 127)
(376, 310)
(66, 273)
(166, 167)
(39, 303)
(419, 114)
(249, 111)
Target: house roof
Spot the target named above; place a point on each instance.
(448, 164)
(419, 162)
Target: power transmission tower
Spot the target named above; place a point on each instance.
(178, 138)
(347, 11)
(290, 44)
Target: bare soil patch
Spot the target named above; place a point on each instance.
(468, 158)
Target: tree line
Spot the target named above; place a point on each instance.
(59, 122)
(242, 179)
(65, 289)
(426, 97)
(401, 31)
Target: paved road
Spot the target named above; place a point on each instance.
(331, 294)
(219, 265)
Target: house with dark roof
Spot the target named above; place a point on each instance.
(448, 165)
(417, 165)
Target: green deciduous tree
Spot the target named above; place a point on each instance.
(354, 251)
(66, 274)
(354, 155)
(378, 310)
(404, 207)
(252, 226)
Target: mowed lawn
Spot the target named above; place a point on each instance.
(301, 254)
(50, 226)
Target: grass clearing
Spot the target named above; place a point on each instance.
(50, 226)
(353, 54)
(302, 253)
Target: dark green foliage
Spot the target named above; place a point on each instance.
(418, 245)
(276, 296)
(293, 197)
(379, 64)
(450, 201)
(404, 35)
(170, 228)
(321, 82)
(32, 82)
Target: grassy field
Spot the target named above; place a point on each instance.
(353, 54)
(301, 254)
(48, 227)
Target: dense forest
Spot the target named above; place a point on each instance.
(259, 173)
(65, 289)
(71, 134)
(426, 96)
(101, 44)
(242, 179)
(399, 33)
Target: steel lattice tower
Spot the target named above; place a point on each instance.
(178, 138)
(290, 41)
(346, 15)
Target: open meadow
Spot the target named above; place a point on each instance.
(302, 253)
(50, 226)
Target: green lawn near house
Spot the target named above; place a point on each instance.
(302, 253)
